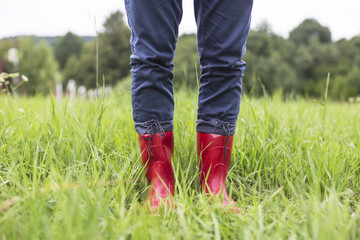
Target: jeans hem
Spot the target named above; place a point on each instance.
(142, 127)
(215, 126)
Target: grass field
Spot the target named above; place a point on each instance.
(72, 170)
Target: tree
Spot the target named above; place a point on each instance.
(114, 55)
(37, 62)
(82, 68)
(187, 67)
(114, 49)
(269, 72)
(310, 28)
(269, 61)
(344, 86)
(260, 40)
(66, 46)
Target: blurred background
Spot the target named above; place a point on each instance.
(69, 47)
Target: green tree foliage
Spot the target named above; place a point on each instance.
(114, 49)
(316, 61)
(308, 29)
(269, 67)
(66, 46)
(301, 63)
(82, 68)
(37, 62)
(114, 52)
(186, 62)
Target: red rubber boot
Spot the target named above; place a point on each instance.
(156, 156)
(214, 165)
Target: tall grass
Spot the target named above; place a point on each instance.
(72, 170)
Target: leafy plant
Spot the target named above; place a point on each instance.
(7, 81)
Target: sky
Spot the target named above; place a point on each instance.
(84, 17)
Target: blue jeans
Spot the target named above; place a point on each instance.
(223, 27)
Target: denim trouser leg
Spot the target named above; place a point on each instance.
(154, 31)
(223, 27)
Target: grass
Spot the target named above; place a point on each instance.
(72, 170)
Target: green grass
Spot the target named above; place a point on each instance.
(72, 170)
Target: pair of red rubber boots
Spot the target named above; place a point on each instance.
(214, 153)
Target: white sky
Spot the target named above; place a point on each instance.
(55, 17)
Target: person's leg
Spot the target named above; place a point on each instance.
(223, 27)
(154, 31)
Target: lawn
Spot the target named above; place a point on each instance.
(72, 170)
